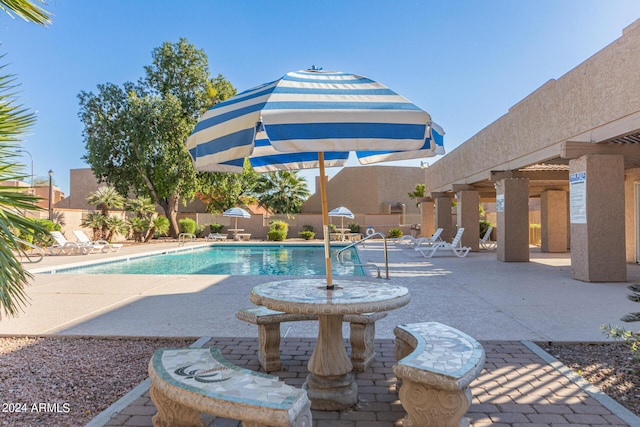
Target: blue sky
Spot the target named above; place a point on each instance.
(465, 62)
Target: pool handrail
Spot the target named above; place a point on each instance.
(363, 240)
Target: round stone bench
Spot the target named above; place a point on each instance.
(436, 364)
(190, 381)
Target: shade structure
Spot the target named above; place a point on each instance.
(236, 213)
(309, 119)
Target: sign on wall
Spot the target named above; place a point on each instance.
(578, 197)
(499, 202)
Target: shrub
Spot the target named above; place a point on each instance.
(307, 227)
(187, 225)
(277, 231)
(354, 227)
(307, 235)
(332, 228)
(215, 227)
(616, 332)
(394, 233)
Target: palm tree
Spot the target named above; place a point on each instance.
(106, 198)
(15, 122)
(26, 10)
(144, 222)
(282, 192)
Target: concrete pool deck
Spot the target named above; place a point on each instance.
(488, 299)
(506, 306)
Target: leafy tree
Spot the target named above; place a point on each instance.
(417, 193)
(282, 192)
(221, 191)
(135, 134)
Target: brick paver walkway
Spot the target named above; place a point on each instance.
(517, 388)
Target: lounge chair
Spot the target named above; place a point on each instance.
(82, 238)
(429, 241)
(29, 251)
(486, 242)
(215, 236)
(409, 240)
(455, 246)
(64, 247)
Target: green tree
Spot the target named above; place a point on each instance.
(221, 191)
(282, 192)
(135, 134)
(417, 193)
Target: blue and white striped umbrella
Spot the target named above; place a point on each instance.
(309, 119)
(236, 213)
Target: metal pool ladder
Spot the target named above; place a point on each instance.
(386, 257)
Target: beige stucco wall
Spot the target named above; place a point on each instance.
(369, 189)
(600, 90)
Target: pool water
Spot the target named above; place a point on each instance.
(234, 260)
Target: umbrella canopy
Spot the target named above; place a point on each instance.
(341, 211)
(310, 119)
(236, 213)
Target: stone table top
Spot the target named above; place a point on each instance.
(310, 296)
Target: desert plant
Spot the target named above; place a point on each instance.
(619, 333)
(307, 235)
(307, 227)
(188, 225)
(277, 231)
(354, 227)
(394, 233)
(215, 227)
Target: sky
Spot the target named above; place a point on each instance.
(466, 62)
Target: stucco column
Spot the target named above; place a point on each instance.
(553, 227)
(469, 218)
(443, 216)
(428, 221)
(596, 199)
(512, 209)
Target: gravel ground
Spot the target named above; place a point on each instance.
(68, 381)
(610, 367)
(62, 381)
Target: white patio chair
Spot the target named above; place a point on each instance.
(215, 236)
(64, 247)
(486, 242)
(82, 238)
(455, 246)
(429, 241)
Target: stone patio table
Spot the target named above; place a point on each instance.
(330, 384)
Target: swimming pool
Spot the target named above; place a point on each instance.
(267, 259)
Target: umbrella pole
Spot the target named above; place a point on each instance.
(325, 220)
